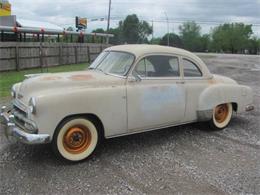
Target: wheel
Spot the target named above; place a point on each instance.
(221, 116)
(75, 139)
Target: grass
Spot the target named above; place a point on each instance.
(7, 79)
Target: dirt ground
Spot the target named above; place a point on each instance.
(189, 159)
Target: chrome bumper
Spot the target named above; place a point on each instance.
(11, 130)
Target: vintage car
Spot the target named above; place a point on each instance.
(128, 89)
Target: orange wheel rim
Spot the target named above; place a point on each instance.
(221, 113)
(77, 139)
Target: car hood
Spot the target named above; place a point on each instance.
(40, 84)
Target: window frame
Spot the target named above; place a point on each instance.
(160, 78)
(129, 70)
(197, 66)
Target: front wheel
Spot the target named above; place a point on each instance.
(221, 116)
(75, 139)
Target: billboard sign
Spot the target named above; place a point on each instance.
(5, 8)
(81, 23)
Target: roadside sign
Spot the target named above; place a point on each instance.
(81, 23)
(5, 8)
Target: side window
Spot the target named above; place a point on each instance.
(140, 68)
(190, 69)
(158, 66)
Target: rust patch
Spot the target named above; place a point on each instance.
(212, 81)
(81, 77)
(51, 78)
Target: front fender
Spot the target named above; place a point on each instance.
(108, 104)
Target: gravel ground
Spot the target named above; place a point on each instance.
(189, 159)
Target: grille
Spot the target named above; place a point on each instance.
(21, 120)
(19, 116)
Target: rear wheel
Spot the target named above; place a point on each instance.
(75, 139)
(221, 117)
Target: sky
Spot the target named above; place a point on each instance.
(205, 12)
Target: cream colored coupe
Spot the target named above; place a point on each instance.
(127, 89)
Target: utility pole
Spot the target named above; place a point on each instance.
(108, 19)
(152, 29)
(168, 35)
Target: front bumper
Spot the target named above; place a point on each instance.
(12, 130)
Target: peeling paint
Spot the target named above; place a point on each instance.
(212, 81)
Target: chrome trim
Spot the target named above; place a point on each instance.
(162, 78)
(131, 132)
(20, 112)
(25, 120)
(32, 105)
(20, 105)
(249, 107)
(115, 75)
(11, 130)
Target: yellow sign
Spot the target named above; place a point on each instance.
(5, 8)
(81, 23)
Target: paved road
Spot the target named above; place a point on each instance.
(189, 159)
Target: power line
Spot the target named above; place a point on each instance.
(178, 21)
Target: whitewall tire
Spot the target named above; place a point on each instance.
(221, 116)
(75, 139)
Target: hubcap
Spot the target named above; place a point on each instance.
(77, 139)
(221, 113)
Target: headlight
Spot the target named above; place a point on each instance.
(32, 105)
(13, 93)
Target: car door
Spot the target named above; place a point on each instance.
(158, 98)
(195, 83)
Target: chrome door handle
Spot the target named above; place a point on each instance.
(180, 82)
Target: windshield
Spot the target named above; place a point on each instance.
(113, 62)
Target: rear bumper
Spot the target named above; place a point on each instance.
(11, 130)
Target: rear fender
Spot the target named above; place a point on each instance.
(223, 93)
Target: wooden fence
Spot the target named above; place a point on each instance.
(23, 55)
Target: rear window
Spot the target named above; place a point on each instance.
(190, 69)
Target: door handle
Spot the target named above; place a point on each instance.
(180, 82)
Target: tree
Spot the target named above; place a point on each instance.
(205, 43)
(134, 31)
(130, 30)
(99, 30)
(144, 31)
(232, 37)
(70, 28)
(190, 35)
(174, 40)
(155, 41)
(97, 39)
(254, 45)
(117, 39)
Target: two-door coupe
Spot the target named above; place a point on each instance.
(128, 89)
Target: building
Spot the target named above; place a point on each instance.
(5, 8)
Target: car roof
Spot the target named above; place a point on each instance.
(140, 50)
